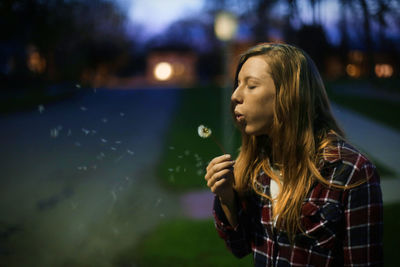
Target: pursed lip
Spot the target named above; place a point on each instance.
(239, 116)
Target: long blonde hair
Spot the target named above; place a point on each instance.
(300, 132)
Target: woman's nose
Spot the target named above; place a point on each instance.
(236, 96)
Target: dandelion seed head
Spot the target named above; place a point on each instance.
(203, 131)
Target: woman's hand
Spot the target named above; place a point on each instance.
(220, 177)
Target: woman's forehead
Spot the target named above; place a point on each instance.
(254, 67)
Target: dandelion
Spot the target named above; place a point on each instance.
(205, 132)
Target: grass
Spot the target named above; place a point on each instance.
(186, 243)
(192, 243)
(186, 155)
(380, 110)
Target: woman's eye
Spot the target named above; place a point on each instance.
(251, 86)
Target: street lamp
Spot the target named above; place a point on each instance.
(225, 27)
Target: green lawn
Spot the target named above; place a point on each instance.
(186, 155)
(186, 242)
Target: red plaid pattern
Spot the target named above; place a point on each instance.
(342, 227)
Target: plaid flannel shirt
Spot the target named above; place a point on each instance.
(342, 227)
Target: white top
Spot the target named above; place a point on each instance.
(274, 190)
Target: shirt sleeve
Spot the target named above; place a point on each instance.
(236, 239)
(363, 244)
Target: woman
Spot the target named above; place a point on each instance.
(298, 194)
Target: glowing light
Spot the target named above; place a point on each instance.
(179, 69)
(163, 71)
(353, 71)
(225, 26)
(36, 63)
(383, 70)
(356, 56)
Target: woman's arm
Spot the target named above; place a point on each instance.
(228, 214)
(220, 180)
(363, 244)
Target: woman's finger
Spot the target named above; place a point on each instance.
(218, 167)
(218, 160)
(225, 173)
(218, 185)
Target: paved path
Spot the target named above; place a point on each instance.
(78, 184)
(378, 141)
(374, 139)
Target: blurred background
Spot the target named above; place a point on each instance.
(100, 103)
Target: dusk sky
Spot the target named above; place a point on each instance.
(156, 15)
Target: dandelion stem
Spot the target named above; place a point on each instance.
(219, 145)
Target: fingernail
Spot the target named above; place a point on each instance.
(227, 156)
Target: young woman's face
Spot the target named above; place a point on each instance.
(254, 97)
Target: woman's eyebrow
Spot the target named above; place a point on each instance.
(250, 78)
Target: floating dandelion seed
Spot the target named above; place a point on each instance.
(130, 152)
(83, 108)
(103, 140)
(122, 114)
(105, 120)
(85, 131)
(113, 148)
(82, 168)
(54, 132)
(69, 132)
(205, 132)
(77, 85)
(41, 109)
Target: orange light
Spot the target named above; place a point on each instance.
(36, 63)
(383, 70)
(356, 56)
(353, 71)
